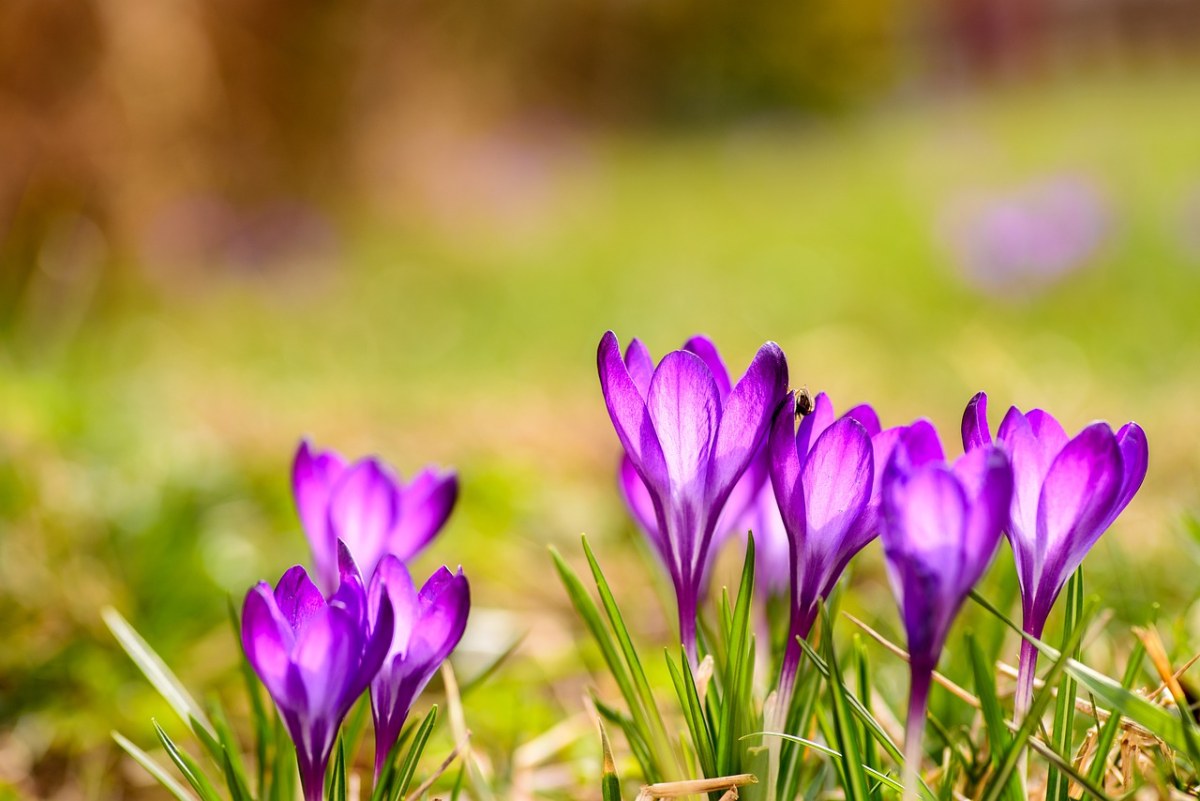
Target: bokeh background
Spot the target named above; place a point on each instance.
(401, 228)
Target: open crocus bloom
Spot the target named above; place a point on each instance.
(1066, 493)
(428, 625)
(689, 437)
(365, 505)
(823, 478)
(316, 656)
(941, 526)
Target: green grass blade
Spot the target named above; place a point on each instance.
(693, 712)
(187, 766)
(154, 669)
(230, 755)
(1108, 733)
(590, 613)
(337, 781)
(880, 777)
(156, 770)
(409, 767)
(870, 750)
(867, 719)
(1057, 784)
(999, 736)
(283, 765)
(738, 668)
(633, 736)
(610, 784)
(1163, 724)
(999, 783)
(844, 729)
(651, 718)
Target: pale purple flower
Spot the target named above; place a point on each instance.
(823, 476)
(1067, 492)
(941, 526)
(1029, 238)
(316, 656)
(428, 625)
(689, 441)
(367, 506)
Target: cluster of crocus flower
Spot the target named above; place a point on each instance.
(692, 442)
(317, 650)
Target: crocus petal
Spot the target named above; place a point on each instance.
(987, 480)
(703, 347)
(865, 413)
(1048, 431)
(640, 364)
(445, 602)
(922, 540)
(882, 445)
(975, 431)
(392, 580)
(351, 594)
(837, 480)
(297, 598)
(326, 656)
(641, 505)
(267, 639)
(917, 445)
(630, 417)
(313, 475)
(363, 510)
(376, 648)
(425, 506)
(1076, 498)
(1135, 458)
(813, 424)
(685, 408)
(746, 417)
(785, 465)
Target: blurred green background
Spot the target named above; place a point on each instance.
(401, 228)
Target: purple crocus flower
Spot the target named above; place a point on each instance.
(689, 442)
(941, 525)
(428, 625)
(316, 656)
(823, 474)
(1067, 492)
(739, 510)
(365, 505)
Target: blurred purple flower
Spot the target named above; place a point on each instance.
(1067, 492)
(315, 656)
(941, 526)
(825, 487)
(428, 625)
(1028, 239)
(689, 437)
(365, 505)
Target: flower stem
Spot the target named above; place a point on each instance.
(1026, 669)
(918, 703)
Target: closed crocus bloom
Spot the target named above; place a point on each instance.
(316, 656)
(822, 473)
(941, 525)
(1066, 493)
(368, 507)
(740, 513)
(689, 439)
(428, 625)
